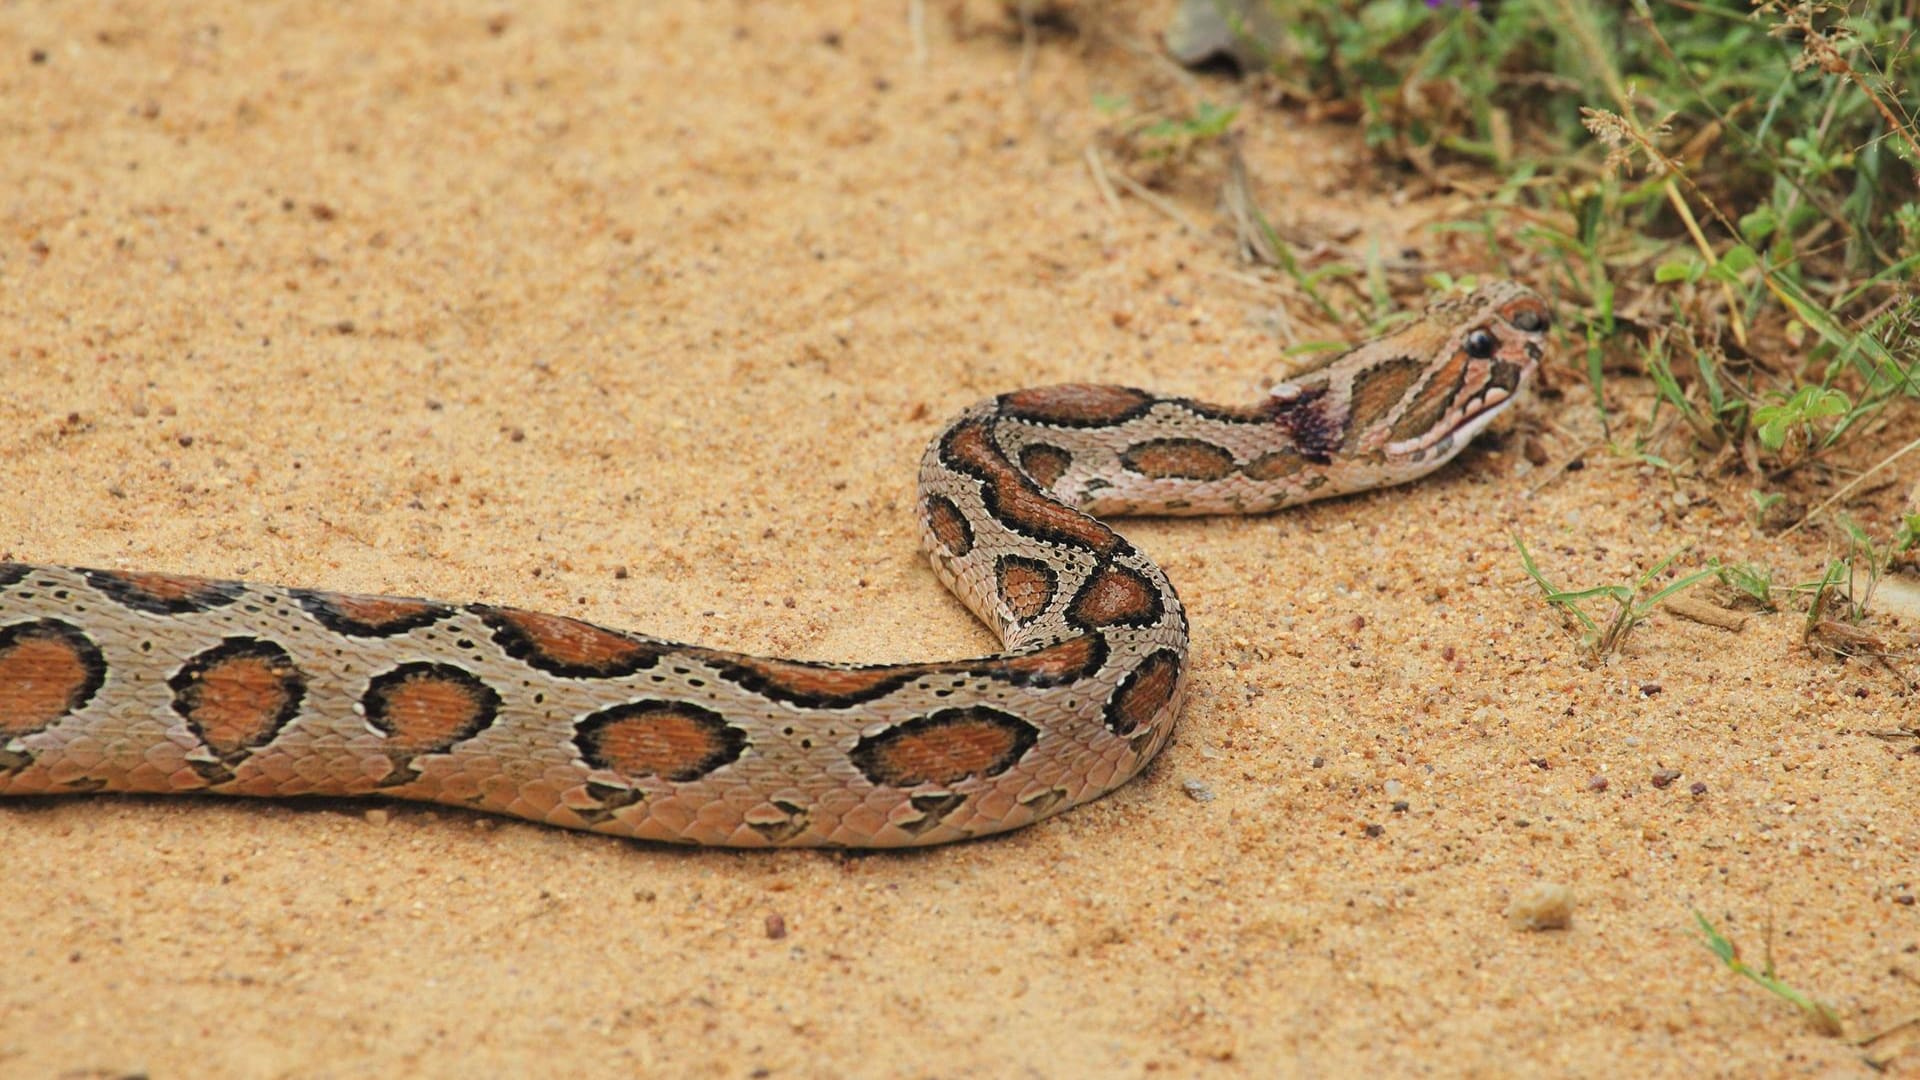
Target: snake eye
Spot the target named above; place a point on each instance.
(1480, 345)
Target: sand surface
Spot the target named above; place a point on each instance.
(497, 302)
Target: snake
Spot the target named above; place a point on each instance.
(154, 682)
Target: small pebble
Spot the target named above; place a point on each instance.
(1697, 789)
(1318, 762)
(1374, 830)
(1650, 689)
(776, 927)
(1543, 905)
(1399, 806)
(378, 816)
(1664, 777)
(1597, 783)
(1197, 790)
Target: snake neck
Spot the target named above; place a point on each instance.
(1011, 490)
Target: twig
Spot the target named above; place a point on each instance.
(1029, 43)
(1099, 170)
(1702, 612)
(1141, 192)
(917, 29)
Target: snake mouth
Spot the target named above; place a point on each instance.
(1471, 415)
(1503, 383)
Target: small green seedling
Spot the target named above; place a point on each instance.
(1798, 416)
(1906, 534)
(1863, 558)
(1209, 121)
(1751, 580)
(1821, 1015)
(1823, 592)
(1601, 638)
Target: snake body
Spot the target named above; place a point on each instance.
(144, 682)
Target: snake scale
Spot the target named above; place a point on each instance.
(148, 682)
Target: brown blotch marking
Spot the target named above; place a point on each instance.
(1076, 404)
(1026, 586)
(671, 740)
(163, 594)
(426, 708)
(949, 525)
(11, 573)
(1277, 465)
(48, 669)
(1433, 400)
(237, 695)
(1012, 497)
(1067, 661)
(1115, 594)
(1377, 390)
(821, 686)
(1045, 463)
(368, 616)
(569, 647)
(1178, 459)
(1260, 412)
(1143, 692)
(945, 748)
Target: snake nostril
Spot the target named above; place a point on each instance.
(1530, 320)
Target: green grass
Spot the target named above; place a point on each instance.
(1604, 633)
(1822, 1016)
(1751, 580)
(1720, 195)
(1745, 177)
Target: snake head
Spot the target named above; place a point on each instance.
(1410, 400)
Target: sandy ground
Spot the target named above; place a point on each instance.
(493, 303)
